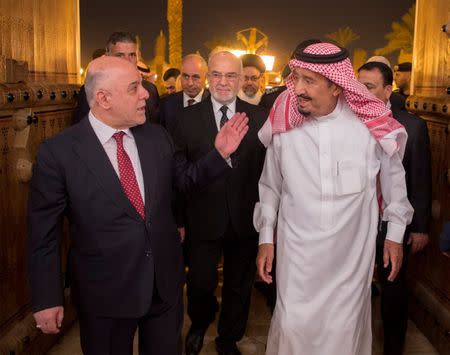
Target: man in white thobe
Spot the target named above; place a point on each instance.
(330, 144)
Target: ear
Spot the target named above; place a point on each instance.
(103, 99)
(388, 91)
(336, 90)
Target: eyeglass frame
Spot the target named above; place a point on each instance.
(217, 76)
(252, 78)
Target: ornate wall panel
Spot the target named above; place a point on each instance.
(430, 270)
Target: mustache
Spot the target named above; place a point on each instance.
(304, 97)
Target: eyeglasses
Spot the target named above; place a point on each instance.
(253, 78)
(218, 76)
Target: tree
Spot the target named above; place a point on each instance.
(343, 36)
(402, 36)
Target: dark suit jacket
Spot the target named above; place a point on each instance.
(116, 257)
(169, 107)
(269, 97)
(230, 198)
(151, 105)
(417, 164)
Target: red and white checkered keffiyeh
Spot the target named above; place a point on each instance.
(373, 112)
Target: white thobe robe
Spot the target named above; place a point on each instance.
(318, 191)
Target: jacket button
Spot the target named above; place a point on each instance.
(148, 253)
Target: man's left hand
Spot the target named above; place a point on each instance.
(418, 241)
(231, 134)
(393, 253)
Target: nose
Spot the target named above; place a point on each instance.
(223, 80)
(299, 87)
(144, 93)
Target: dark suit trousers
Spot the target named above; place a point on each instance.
(159, 331)
(239, 255)
(394, 303)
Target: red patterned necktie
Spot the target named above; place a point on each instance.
(127, 176)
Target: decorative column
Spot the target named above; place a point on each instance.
(175, 20)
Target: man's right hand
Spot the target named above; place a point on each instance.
(231, 134)
(264, 261)
(49, 320)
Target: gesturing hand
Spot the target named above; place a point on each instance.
(231, 134)
(49, 320)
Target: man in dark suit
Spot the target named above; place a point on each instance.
(112, 176)
(193, 80)
(377, 77)
(123, 45)
(219, 217)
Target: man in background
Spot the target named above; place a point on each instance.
(377, 77)
(170, 79)
(402, 77)
(123, 45)
(254, 82)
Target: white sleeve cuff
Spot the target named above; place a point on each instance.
(266, 235)
(395, 232)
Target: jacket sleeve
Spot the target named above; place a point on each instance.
(47, 202)
(419, 175)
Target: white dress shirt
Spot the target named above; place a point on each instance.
(218, 114)
(104, 134)
(197, 99)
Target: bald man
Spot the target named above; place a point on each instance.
(219, 217)
(112, 177)
(193, 80)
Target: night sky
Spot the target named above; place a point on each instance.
(286, 22)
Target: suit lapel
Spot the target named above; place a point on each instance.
(89, 149)
(148, 158)
(209, 120)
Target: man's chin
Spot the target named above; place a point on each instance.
(303, 112)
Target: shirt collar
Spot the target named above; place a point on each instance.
(217, 105)
(197, 99)
(103, 131)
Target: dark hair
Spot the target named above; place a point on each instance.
(386, 72)
(116, 37)
(171, 73)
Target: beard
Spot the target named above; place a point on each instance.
(250, 91)
(302, 111)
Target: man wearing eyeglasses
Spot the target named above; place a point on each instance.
(253, 83)
(219, 217)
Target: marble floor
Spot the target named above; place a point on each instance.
(256, 335)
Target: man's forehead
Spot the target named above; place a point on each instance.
(374, 74)
(223, 61)
(124, 47)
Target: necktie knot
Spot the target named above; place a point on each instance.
(224, 110)
(118, 136)
(190, 102)
(224, 118)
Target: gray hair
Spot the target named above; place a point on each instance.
(93, 78)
